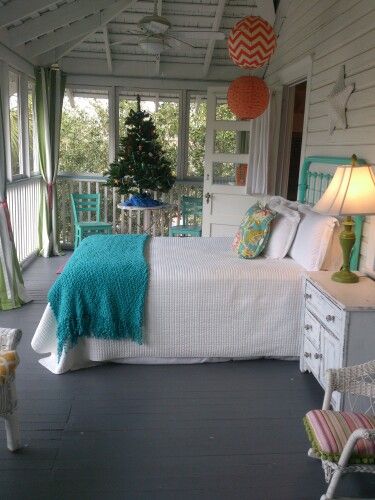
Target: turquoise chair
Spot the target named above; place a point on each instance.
(191, 209)
(87, 203)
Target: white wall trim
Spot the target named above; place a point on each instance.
(15, 61)
(370, 257)
(297, 71)
(139, 83)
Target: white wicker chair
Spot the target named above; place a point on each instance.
(356, 381)
(9, 338)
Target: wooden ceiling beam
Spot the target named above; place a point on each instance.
(107, 48)
(211, 44)
(53, 19)
(65, 39)
(18, 9)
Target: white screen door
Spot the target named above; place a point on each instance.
(227, 141)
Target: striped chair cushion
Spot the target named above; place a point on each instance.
(329, 431)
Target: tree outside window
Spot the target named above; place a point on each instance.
(84, 133)
(14, 122)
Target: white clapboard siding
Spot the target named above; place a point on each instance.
(333, 32)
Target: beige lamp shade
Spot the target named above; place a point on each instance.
(350, 192)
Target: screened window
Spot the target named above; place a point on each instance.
(31, 123)
(197, 135)
(84, 131)
(14, 121)
(164, 110)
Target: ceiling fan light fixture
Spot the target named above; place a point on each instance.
(153, 45)
(154, 24)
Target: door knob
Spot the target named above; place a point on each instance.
(207, 196)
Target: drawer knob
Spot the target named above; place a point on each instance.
(318, 356)
(308, 327)
(307, 296)
(307, 354)
(329, 318)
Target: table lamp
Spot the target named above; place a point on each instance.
(350, 192)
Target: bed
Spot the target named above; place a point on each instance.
(204, 304)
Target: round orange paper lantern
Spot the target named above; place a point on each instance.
(251, 42)
(248, 97)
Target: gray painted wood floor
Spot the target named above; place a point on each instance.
(215, 431)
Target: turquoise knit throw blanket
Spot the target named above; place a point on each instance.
(101, 292)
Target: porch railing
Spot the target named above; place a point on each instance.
(121, 222)
(23, 200)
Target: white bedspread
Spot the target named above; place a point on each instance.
(203, 302)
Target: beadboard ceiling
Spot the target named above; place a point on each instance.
(78, 35)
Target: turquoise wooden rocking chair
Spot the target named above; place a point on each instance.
(191, 209)
(87, 203)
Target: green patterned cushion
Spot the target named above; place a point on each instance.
(254, 231)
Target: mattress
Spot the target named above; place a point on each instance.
(203, 303)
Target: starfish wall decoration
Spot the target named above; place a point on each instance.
(337, 101)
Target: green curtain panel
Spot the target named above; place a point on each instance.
(49, 89)
(12, 291)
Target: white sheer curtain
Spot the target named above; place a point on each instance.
(260, 143)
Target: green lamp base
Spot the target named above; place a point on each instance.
(345, 277)
(347, 240)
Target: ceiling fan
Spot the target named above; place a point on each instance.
(156, 34)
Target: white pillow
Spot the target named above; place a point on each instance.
(313, 239)
(283, 229)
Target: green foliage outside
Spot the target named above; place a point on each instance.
(14, 139)
(84, 136)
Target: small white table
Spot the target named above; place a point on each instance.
(149, 221)
(338, 327)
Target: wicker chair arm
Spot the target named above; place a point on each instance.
(9, 339)
(357, 379)
(351, 442)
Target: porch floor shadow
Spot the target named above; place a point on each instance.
(213, 431)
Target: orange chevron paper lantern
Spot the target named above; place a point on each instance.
(251, 42)
(248, 97)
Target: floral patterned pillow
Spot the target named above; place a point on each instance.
(254, 231)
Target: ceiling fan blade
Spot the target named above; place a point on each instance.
(177, 42)
(127, 33)
(198, 35)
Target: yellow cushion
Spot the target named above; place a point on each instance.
(8, 362)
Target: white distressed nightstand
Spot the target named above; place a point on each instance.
(339, 326)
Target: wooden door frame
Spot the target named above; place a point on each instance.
(289, 77)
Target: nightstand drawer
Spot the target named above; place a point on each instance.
(312, 329)
(312, 357)
(328, 313)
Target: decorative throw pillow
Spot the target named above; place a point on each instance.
(313, 238)
(254, 231)
(283, 229)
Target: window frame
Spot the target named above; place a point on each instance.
(23, 133)
(36, 168)
(103, 92)
(116, 92)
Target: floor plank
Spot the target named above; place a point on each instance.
(215, 431)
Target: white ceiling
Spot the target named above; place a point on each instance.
(78, 34)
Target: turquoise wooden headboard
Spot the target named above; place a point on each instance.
(311, 186)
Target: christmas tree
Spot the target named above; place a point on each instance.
(142, 165)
